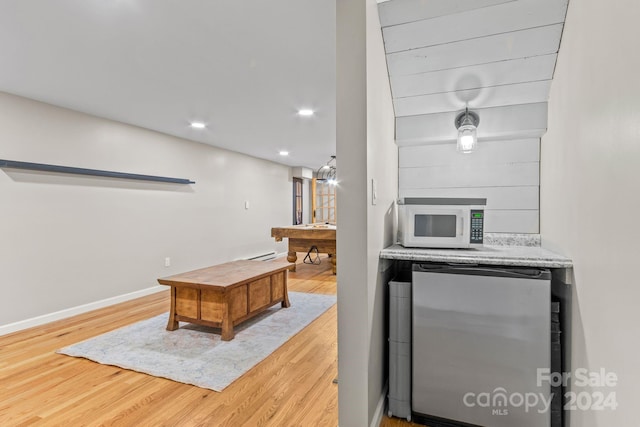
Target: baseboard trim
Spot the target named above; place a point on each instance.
(80, 309)
(377, 415)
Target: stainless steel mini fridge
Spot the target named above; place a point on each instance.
(480, 345)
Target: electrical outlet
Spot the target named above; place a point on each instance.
(167, 262)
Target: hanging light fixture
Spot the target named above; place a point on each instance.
(328, 172)
(467, 122)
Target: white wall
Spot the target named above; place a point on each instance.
(351, 162)
(382, 166)
(72, 240)
(365, 151)
(590, 193)
(505, 172)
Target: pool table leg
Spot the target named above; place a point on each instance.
(292, 257)
(334, 260)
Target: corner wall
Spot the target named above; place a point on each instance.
(351, 162)
(71, 240)
(382, 167)
(365, 151)
(590, 195)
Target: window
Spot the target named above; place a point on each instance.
(324, 201)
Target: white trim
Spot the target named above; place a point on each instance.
(281, 254)
(377, 415)
(63, 314)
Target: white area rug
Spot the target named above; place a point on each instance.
(195, 354)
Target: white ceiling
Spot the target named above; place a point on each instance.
(496, 56)
(244, 67)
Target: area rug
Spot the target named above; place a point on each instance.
(195, 354)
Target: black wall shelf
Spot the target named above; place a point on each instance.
(92, 172)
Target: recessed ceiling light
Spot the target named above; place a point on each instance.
(305, 112)
(284, 153)
(198, 125)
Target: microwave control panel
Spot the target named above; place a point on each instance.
(477, 226)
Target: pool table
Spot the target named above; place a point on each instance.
(302, 237)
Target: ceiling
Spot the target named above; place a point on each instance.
(242, 67)
(245, 67)
(495, 56)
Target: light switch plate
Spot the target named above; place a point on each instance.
(374, 192)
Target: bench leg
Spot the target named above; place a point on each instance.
(173, 324)
(285, 302)
(227, 332)
(227, 323)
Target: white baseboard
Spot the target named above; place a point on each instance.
(377, 415)
(63, 314)
(281, 254)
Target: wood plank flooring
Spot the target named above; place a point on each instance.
(292, 387)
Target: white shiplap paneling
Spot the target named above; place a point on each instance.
(486, 97)
(506, 173)
(500, 47)
(498, 198)
(476, 76)
(487, 153)
(401, 11)
(474, 23)
(495, 57)
(509, 122)
(520, 221)
(473, 174)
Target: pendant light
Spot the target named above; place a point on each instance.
(327, 172)
(467, 122)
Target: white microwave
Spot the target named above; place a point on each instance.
(441, 222)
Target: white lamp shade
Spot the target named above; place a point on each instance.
(467, 139)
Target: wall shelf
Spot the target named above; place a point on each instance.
(91, 172)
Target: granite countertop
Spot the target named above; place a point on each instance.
(524, 256)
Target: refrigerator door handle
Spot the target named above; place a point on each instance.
(475, 270)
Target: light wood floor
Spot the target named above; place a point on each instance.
(292, 387)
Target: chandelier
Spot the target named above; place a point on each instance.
(327, 172)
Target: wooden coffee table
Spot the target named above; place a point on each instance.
(227, 294)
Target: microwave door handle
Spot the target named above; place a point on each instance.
(461, 226)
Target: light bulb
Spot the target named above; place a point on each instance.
(467, 139)
(467, 123)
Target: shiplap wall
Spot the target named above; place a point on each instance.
(505, 172)
(495, 57)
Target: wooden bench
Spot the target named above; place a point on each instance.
(227, 294)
